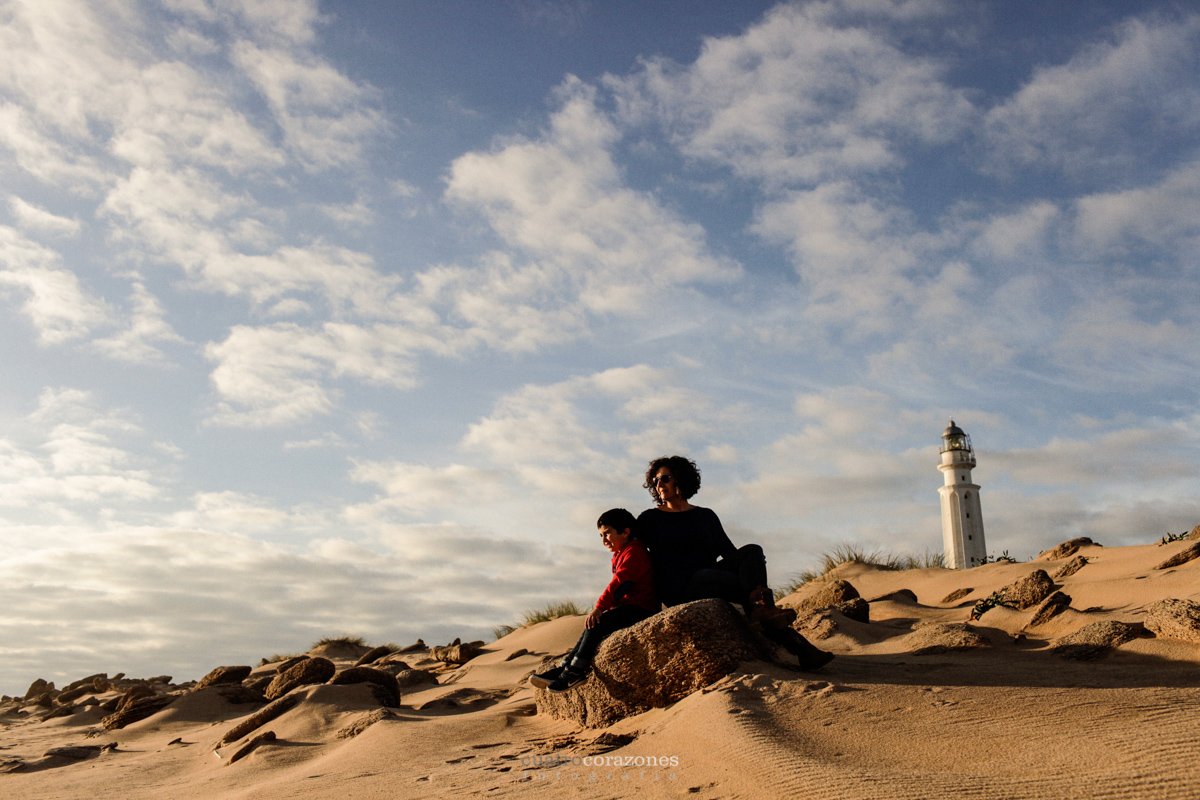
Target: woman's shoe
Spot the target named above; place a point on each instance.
(811, 657)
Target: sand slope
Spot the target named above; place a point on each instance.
(1008, 715)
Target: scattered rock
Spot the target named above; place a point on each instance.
(957, 594)
(1195, 534)
(1067, 548)
(80, 752)
(857, 609)
(340, 648)
(1097, 639)
(516, 654)
(251, 746)
(657, 662)
(383, 684)
(136, 710)
(931, 638)
(69, 696)
(419, 644)
(457, 653)
(224, 675)
(1071, 567)
(261, 717)
(308, 671)
(1030, 590)
(1175, 619)
(907, 596)
(364, 722)
(414, 677)
(38, 688)
(132, 695)
(287, 664)
(1182, 557)
(373, 655)
(465, 697)
(238, 694)
(1051, 607)
(259, 683)
(816, 595)
(96, 683)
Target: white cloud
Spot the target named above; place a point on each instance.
(802, 96)
(561, 199)
(1164, 216)
(325, 116)
(72, 455)
(36, 218)
(145, 329)
(280, 374)
(1111, 100)
(856, 256)
(54, 300)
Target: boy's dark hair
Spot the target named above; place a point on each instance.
(618, 519)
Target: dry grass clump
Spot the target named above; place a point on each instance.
(563, 608)
(854, 554)
(340, 641)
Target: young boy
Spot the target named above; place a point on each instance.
(628, 598)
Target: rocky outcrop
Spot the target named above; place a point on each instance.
(1182, 557)
(816, 595)
(373, 655)
(1195, 534)
(1175, 619)
(657, 662)
(136, 710)
(305, 673)
(457, 652)
(1030, 590)
(223, 676)
(383, 684)
(931, 638)
(1050, 608)
(1071, 567)
(957, 594)
(407, 678)
(1065, 549)
(1097, 639)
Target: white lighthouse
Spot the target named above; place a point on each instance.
(962, 519)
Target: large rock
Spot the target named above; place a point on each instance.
(1175, 619)
(1067, 548)
(1071, 567)
(1050, 608)
(1097, 639)
(223, 675)
(308, 671)
(383, 684)
(457, 653)
(819, 594)
(1182, 557)
(1030, 590)
(657, 662)
(933, 638)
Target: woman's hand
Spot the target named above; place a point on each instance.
(592, 619)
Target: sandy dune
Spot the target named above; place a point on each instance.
(996, 709)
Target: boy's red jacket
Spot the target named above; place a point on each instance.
(632, 582)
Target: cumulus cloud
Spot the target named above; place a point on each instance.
(53, 299)
(36, 218)
(561, 199)
(72, 456)
(1111, 100)
(805, 95)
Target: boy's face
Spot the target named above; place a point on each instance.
(614, 539)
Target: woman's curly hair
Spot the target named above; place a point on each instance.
(683, 470)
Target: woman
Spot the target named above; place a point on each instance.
(694, 559)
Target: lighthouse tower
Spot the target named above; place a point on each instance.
(962, 519)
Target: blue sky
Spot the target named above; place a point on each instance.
(351, 318)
